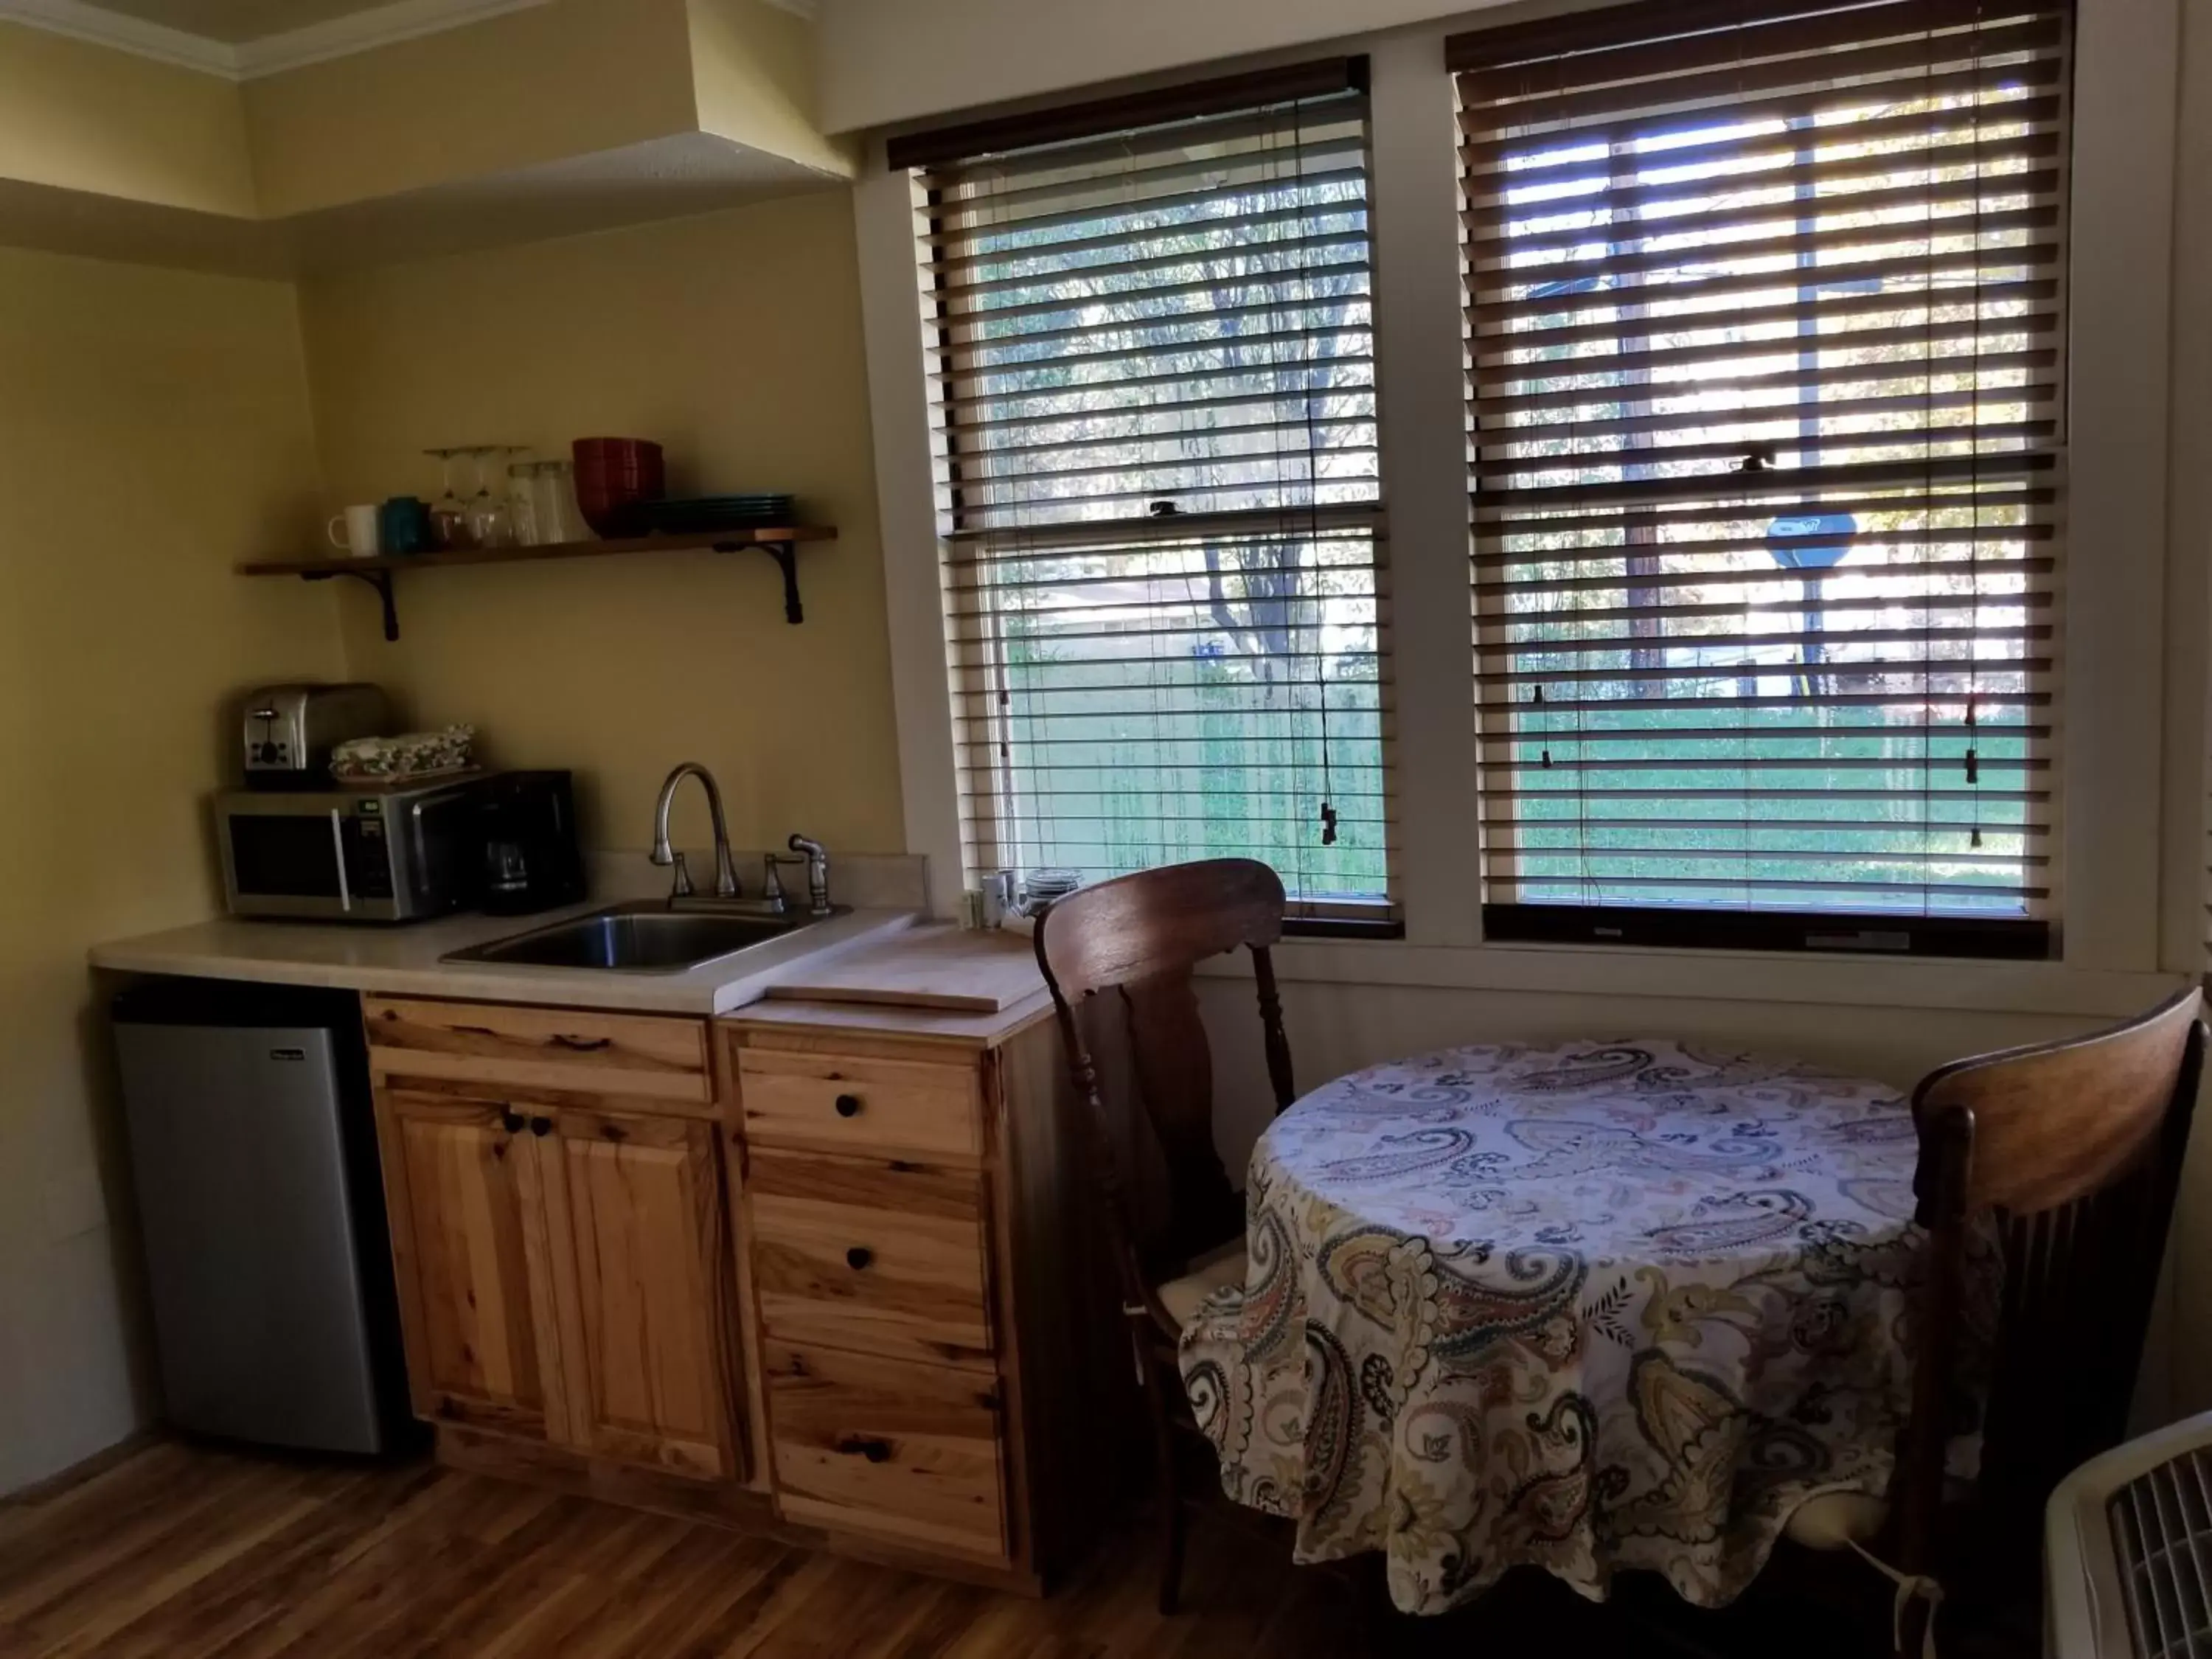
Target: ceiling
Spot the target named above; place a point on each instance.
(236, 20)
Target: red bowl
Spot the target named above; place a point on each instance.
(625, 454)
(613, 474)
(612, 512)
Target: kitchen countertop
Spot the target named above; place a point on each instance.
(405, 960)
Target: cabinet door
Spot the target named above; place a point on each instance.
(645, 1294)
(466, 1181)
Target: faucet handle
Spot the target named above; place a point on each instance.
(772, 884)
(817, 873)
(683, 889)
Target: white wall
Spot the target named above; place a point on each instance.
(886, 61)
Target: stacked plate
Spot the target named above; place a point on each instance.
(702, 514)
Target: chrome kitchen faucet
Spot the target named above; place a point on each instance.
(726, 873)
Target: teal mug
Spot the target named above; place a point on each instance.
(403, 525)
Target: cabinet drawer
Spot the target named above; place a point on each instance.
(861, 1105)
(863, 1444)
(553, 1050)
(886, 1258)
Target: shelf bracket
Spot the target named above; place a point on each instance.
(786, 554)
(379, 579)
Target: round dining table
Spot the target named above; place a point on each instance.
(1589, 1306)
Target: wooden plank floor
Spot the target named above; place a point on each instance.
(178, 1551)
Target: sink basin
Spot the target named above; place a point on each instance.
(646, 938)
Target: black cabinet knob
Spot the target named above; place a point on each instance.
(848, 1105)
(876, 1452)
(512, 1122)
(541, 1125)
(859, 1257)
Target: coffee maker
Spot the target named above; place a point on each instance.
(531, 859)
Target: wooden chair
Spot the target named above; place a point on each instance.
(2075, 1147)
(1140, 935)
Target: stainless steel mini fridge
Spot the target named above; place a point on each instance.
(253, 1148)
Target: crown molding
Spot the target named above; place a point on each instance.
(273, 54)
(364, 31)
(98, 26)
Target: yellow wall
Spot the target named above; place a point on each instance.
(81, 118)
(153, 426)
(734, 339)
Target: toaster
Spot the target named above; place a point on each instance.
(287, 731)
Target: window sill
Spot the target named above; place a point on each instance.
(1856, 935)
(1993, 986)
(1343, 927)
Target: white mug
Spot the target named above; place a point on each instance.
(359, 538)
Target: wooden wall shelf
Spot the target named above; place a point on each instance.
(781, 543)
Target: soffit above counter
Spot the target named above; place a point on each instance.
(247, 40)
(504, 128)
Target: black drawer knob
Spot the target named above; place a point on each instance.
(876, 1452)
(512, 1122)
(541, 1125)
(581, 1045)
(859, 1257)
(848, 1105)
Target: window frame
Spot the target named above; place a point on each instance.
(1521, 65)
(2133, 878)
(913, 157)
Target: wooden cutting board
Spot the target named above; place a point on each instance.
(938, 966)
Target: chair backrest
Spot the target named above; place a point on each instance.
(1141, 935)
(2074, 1148)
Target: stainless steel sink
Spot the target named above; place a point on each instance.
(646, 938)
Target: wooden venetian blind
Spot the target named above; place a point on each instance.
(1149, 335)
(1767, 336)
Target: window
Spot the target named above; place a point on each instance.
(1149, 332)
(1766, 407)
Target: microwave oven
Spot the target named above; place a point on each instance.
(367, 855)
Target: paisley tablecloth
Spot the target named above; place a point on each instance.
(1600, 1306)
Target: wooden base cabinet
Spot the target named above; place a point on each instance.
(564, 1264)
(835, 1260)
(941, 1360)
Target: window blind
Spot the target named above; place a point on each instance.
(1766, 400)
(1149, 332)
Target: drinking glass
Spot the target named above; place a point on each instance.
(521, 503)
(559, 519)
(449, 518)
(489, 523)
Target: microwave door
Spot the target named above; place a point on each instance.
(289, 859)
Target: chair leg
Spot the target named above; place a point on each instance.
(1169, 1495)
